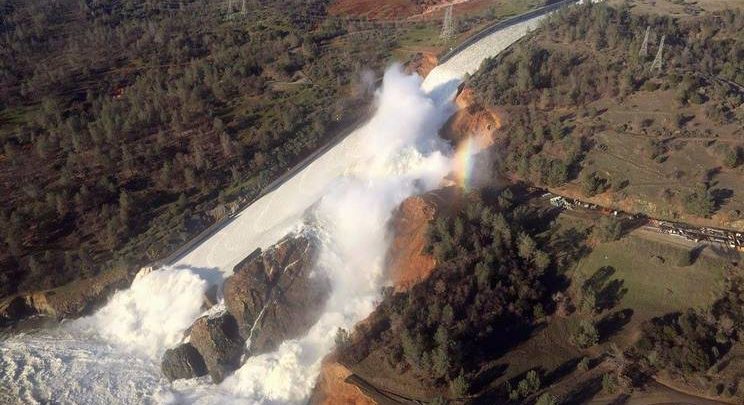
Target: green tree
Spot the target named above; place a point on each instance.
(527, 246)
(609, 383)
(591, 184)
(733, 157)
(460, 386)
(547, 399)
(588, 301)
(412, 348)
(699, 202)
(586, 335)
(608, 229)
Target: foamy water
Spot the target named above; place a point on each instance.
(346, 197)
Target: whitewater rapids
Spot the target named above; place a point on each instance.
(346, 197)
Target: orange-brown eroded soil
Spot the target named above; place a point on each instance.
(332, 388)
(471, 120)
(408, 263)
(422, 63)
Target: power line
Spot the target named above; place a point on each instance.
(644, 47)
(657, 61)
(448, 26)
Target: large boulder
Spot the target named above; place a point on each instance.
(275, 296)
(272, 296)
(183, 361)
(217, 339)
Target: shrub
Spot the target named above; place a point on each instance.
(699, 202)
(586, 334)
(459, 387)
(547, 399)
(733, 157)
(609, 383)
(608, 229)
(591, 184)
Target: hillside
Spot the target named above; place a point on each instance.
(128, 127)
(530, 303)
(589, 116)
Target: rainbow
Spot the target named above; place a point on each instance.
(464, 162)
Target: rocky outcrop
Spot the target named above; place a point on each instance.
(422, 64)
(79, 298)
(271, 297)
(408, 263)
(217, 340)
(472, 120)
(183, 361)
(274, 296)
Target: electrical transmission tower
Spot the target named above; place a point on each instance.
(644, 47)
(448, 26)
(657, 60)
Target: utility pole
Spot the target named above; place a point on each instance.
(644, 47)
(448, 26)
(657, 60)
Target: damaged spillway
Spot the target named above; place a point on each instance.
(281, 307)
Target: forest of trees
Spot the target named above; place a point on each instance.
(497, 267)
(123, 123)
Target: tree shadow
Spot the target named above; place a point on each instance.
(613, 323)
(721, 196)
(571, 243)
(696, 252)
(561, 371)
(620, 400)
(711, 174)
(599, 278)
(611, 294)
(488, 374)
(584, 392)
(634, 222)
(608, 292)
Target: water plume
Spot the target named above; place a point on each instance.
(346, 195)
(151, 315)
(399, 154)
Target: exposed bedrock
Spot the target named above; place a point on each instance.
(183, 361)
(272, 296)
(79, 298)
(217, 339)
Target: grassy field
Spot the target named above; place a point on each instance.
(649, 273)
(656, 186)
(470, 17)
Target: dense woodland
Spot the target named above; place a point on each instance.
(124, 124)
(497, 268)
(546, 82)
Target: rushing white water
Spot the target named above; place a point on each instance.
(346, 197)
